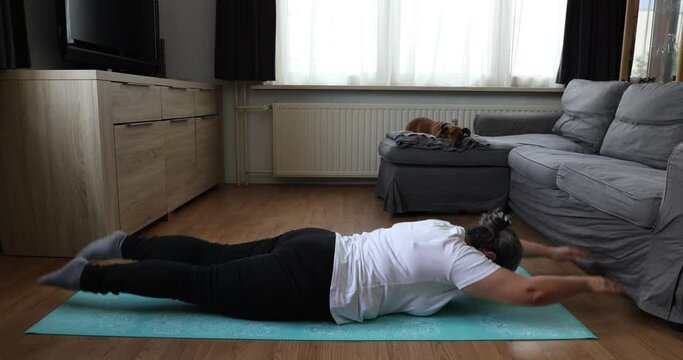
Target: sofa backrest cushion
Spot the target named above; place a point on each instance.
(589, 108)
(648, 124)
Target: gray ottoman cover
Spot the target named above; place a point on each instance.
(473, 157)
(414, 180)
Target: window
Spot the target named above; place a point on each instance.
(419, 42)
(658, 34)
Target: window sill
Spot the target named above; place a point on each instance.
(411, 88)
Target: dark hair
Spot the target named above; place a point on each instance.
(495, 234)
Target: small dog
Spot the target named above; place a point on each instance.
(453, 133)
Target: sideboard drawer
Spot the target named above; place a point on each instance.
(205, 102)
(130, 102)
(177, 102)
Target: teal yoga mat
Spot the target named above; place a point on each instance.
(465, 318)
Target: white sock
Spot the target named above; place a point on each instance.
(68, 277)
(108, 247)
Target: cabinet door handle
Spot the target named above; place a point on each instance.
(208, 117)
(141, 123)
(133, 84)
(179, 120)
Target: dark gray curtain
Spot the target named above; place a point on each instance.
(245, 40)
(593, 34)
(13, 41)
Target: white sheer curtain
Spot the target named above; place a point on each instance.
(419, 42)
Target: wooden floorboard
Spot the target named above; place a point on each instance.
(232, 214)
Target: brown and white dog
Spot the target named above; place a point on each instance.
(453, 133)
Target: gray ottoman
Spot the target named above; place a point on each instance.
(415, 180)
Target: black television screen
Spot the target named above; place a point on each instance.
(114, 34)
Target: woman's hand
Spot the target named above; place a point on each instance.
(600, 284)
(566, 253)
(560, 253)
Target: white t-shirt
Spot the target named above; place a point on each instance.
(412, 267)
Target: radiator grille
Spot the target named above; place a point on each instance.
(340, 140)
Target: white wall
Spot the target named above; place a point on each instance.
(188, 28)
(41, 31)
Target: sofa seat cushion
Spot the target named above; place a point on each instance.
(420, 157)
(627, 191)
(540, 165)
(548, 141)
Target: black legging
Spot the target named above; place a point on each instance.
(284, 278)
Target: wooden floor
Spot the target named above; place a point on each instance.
(237, 214)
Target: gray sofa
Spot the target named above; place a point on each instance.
(624, 201)
(605, 175)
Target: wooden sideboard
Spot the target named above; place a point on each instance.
(86, 152)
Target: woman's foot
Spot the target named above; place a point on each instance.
(68, 277)
(108, 247)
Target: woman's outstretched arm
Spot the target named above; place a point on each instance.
(560, 253)
(507, 287)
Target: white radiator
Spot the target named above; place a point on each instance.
(340, 140)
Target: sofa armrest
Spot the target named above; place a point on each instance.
(661, 283)
(514, 123)
(671, 209)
